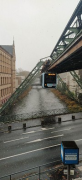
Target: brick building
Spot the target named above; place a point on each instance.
(7, 72)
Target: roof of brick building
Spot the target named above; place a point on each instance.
(8, 48)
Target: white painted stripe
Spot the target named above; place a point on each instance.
(47, 128)
(35, 150)
(42, 129)
(78, 140)
(16, 139)
(62, 130)
(29, 132)
(37, 140)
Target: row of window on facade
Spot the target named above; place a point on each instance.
(5, 58)
(5, 91)
(5, 80)
(4, 69)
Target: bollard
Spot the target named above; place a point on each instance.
(24, 125)
(59, 119)
(73, 117)
(9, 128)
(42, 122)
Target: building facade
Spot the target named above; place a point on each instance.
(19, 80)
(71, 83)
(7, 72)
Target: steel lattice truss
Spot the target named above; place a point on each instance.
(76, 77)
(23, 86)
(72, 29)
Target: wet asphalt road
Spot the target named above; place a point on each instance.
(20, 150)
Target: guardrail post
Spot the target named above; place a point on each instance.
(10, 177)
(59, 119)
(73, 117)
(42, 122)
(24, 125)
(9, 128)
(39, 172)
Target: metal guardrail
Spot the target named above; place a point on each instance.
(37, 173)
(33, 115)
(34, 173)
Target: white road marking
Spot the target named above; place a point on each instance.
(16, 155)
(62, 130)
(42, 129)
(16, 139)
(37, 140)
(47, 128)
(78, 140)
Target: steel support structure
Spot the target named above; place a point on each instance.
(65, 88)
(70, 32)
(23, 86)
(76, 77)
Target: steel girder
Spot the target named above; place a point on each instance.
(70, 94)
(76, 77)
(71, 30)
(23, 86)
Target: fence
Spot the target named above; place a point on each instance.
(35, 173)
(45, 171)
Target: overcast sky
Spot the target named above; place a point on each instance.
(36, 26)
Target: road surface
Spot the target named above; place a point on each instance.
(20, 150)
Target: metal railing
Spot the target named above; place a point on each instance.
(40, 172)
(34, 173)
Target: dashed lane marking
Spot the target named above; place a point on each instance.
(37, 140)
(28, 152)
(42, 129)
(16, 139)
(62, 130)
